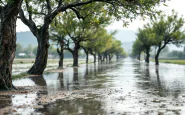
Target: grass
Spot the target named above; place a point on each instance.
(24, 61)
(21, 75)
(182, 62)
(27, 61)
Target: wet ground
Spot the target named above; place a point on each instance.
(118, 88)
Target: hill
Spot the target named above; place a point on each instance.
(26, 38)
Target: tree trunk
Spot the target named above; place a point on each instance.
(147, 55)
(42, 54)
(106, 57)
(8, 18)
(94, 55)
(99, 57)
(75, 54)
(139, 56)
(87, 53)
(87, 57)
(157, 56)
(61, 58)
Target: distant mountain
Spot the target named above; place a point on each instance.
(125, 35)
(127, 46)
(26, 38)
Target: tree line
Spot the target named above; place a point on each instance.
(39, 15)
(161, 31)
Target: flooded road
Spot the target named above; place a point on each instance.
(118, 88)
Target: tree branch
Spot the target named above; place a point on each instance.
(29, 23)
(48, 4)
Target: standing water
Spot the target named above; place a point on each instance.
(124, 87)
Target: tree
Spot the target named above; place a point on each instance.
(168, 30)
(137, 48)
(46, 11)
(146, 36)
(77, 31)
(9, 10)
(115, 49)
(99, 43)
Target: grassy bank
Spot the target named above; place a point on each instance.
(26, 60)
(182, 62)
(21, 75)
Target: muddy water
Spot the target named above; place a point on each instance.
(125, 87)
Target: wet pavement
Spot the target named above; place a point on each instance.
(118, 88)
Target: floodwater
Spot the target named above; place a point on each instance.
(118, 88)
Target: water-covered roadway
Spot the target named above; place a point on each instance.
(124, 87)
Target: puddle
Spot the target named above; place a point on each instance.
(125, 87)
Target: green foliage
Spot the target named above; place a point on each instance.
(125, 10)
(137, 48)
(168, 29)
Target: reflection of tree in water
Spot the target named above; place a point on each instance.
(38, 80)
(163, 90)
(61, 79)
(154, 84)
(5, 100)
(95, 72)
(86, 71)
(158, 77)
(75, 107)
(75, 75)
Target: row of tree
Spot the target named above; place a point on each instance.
(70, 33)
(160, 32)
(39, 14)
(31, 51)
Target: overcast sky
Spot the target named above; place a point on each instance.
(177, 5)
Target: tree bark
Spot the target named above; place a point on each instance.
(42, 53)
(147, 55)
(87, 54)
(8, 18)
(75, 54)
(157, 59)
(99, 57)
(158, 52)
(87, 57)
(139, 56)
(61, 56)
(94, 55)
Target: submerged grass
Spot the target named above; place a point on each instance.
(21, 75)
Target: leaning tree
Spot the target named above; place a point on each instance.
(168, 30)
(9, 10)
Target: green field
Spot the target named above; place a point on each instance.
(182, 62)
(24, 61)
